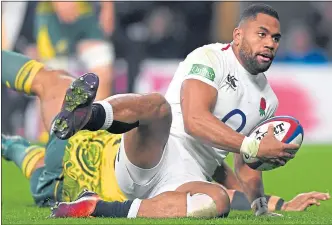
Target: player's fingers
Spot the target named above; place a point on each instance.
(286, 155)
(280, 162)
(320, 196)
(308, 203)
(270, 130)
(290, 146)
(313, 201)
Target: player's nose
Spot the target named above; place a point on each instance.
(270, 44)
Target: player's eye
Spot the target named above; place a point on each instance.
(261, 34)
(276, 39)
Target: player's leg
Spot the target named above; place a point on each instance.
(26, 156)
(96, 53)
(148, 117)
(46, 183)
(192, 199)
(170, 204)
(29, 76)
(41, 165)
(225, 175)
(142, 149)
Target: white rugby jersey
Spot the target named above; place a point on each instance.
(243, 101)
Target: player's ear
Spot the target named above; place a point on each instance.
(237, 36)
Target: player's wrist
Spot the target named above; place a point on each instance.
(250, 146)
(281, 205)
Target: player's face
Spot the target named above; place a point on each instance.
(259, 43)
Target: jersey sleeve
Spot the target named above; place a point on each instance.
(204, 65)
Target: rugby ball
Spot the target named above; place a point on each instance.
(287, 129)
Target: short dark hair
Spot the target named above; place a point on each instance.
(253, 10)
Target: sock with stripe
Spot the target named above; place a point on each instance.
(24, 155)
(18, 71)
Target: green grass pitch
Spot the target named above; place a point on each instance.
(309, 171)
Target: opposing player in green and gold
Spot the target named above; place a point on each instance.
(61, 169)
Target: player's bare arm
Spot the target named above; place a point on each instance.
(197, 101)
(225, 176)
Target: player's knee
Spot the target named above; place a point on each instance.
(161, 105)
(208, 205)
(221, 198)
(48, 80)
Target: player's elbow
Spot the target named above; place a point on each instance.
(191, 125)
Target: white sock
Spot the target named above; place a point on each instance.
(134, 208)
(108, 114)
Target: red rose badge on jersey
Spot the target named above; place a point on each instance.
(262, 107)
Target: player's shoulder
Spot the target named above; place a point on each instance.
(215, 55)
(217, 49)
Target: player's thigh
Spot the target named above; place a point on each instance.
(145, 144)
(136, 182)
(180, 168)
(173, 169)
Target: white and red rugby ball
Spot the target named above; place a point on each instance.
(287, 129)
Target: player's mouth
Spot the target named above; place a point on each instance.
(264, 57)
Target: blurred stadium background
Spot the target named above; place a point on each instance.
(151, 38)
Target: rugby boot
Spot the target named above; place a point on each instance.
(77, 106)
(83, 206)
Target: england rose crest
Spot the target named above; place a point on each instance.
(262, 107)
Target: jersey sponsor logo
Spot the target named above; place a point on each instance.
(262, 107)
(231, 82)
(202, 70)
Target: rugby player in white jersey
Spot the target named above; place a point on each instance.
(168, 154)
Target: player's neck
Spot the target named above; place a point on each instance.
(238, 58)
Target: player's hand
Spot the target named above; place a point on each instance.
(302, 201)
(66, 11)
(271, 148)
(106, 18)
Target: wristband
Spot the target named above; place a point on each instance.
(279, 204)
(250, 146)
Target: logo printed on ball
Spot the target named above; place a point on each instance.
(278, 129)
